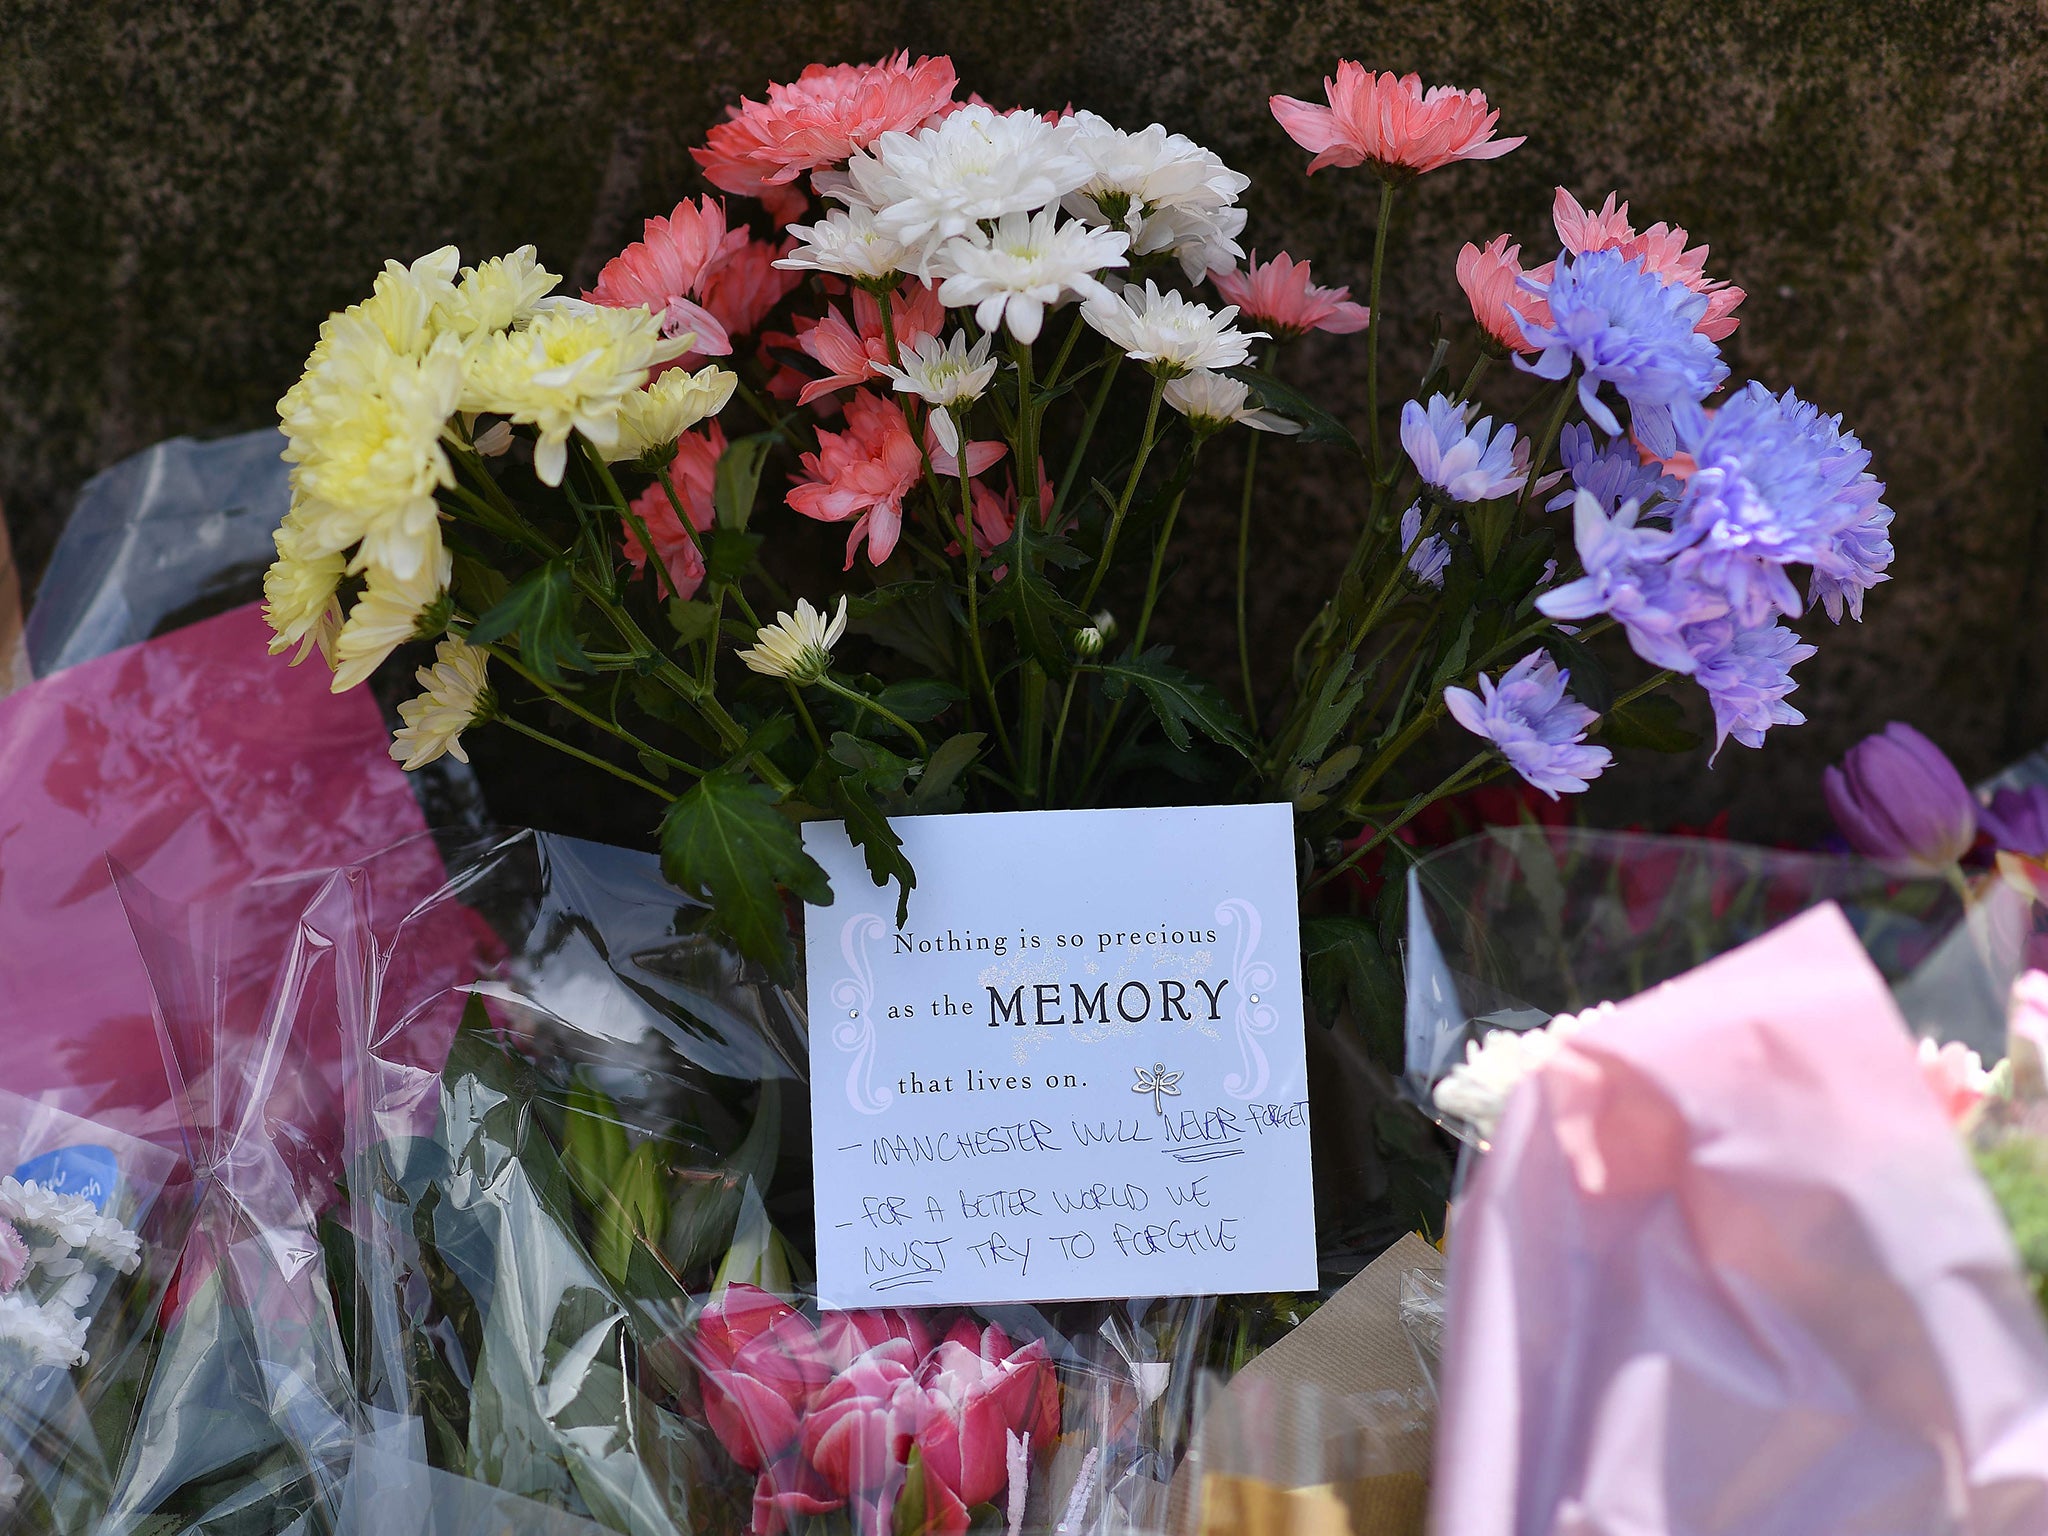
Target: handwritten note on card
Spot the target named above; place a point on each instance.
(1075, 1071)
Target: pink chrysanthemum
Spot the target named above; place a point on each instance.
(1492, 280)
(820, 119)
(1391, 124)
(864, 472)
(1280, 298)
(694, 474)
(852, 354)
(1661, 247)
(669, 270)
(13, 1257)
(740, 293)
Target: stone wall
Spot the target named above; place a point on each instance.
(189, 187)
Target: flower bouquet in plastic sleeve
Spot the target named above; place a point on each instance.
(91, 1221)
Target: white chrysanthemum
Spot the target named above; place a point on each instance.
(41, 1213)
(654, 417)
(797, 645)
(11, 1487)
(456, 694)
(40, 1335)
(384, 617)
(943, 180)
(1162, 189)
(1170, 331)
(114, 1244)
(1477, 1089)
(299, 601)
(1212, 401)
(1028, 263)
(944, 374)
(567, 372)
(497, 295)
(848, 243)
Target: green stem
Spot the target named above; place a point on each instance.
(1080, 449)
(1027, 438)
(856, 697)
(1244, 547)
(610, 728)
(1123, 504)
(1393, 580)
(1465, 390)
(595, 761)
(1551, 428)
(768, 415)
(1414, 808)
(1059, 731)
(1159, 558)
(988, 687)
(1059, 362)
(1372, 325)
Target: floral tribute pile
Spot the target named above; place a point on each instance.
(993, 347)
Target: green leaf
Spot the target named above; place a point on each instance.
(762, 740)
(942, 770)
(910, 618)
(539, 608)
(1031, 606)
(1345, 966)
(725, 842)
(1452, 663)
(876, 767)
(738, 479)
(728, 555)
(869, 831)
(1179, 699)
(1654, 722)
(1335, 704)
(593, 1141)
(1589, 681)
(919, 699)
(634, 1209)
(478, 585)
(691, 621)
(707, 1204)
(1317, 424)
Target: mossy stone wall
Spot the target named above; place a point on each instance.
(187, 188)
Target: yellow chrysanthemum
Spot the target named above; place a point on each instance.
(299, 601)
(401, 307)
(385, 617)
(364, 440)
(569, 370)
(656, 416)
(456, 694)
(497, 295)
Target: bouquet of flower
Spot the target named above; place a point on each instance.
(994, 347)
(78, 1283)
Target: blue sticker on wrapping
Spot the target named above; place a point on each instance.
(89, 1171)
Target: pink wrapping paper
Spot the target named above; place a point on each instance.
(200, 763)
(1728, 1269)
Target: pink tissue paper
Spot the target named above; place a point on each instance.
(1727, 1269)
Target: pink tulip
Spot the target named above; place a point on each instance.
(861, 1425)
(753, 1421)
(790, 1487)
(978, 1394)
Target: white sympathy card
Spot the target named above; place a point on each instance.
(1075, 1071)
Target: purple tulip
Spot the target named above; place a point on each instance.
(2017, 820)
(1896, 797)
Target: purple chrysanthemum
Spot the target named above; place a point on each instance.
(1428, 559)
(1538, 727)
(1779, 484)
(1631, 576)
(1467, 462)
(1614, 474)
(1624, 326)
(1746, 673)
